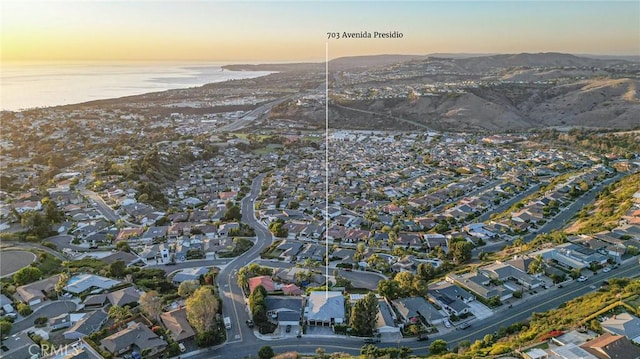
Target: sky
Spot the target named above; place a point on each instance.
(264, 31)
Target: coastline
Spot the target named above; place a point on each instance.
(41, 85)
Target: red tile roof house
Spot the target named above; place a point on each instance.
(264, 281)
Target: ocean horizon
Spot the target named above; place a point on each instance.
(33, 85)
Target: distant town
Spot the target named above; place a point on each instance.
(223, 221)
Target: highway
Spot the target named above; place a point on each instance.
(251, 116)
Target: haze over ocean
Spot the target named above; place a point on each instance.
(28, 85)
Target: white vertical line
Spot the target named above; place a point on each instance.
(326, 164)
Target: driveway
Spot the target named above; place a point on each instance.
(479, 310)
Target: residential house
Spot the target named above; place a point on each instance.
(124, 296)
(189, 274)
(96, 301)
(177, 324)
(84, 282)
(386, 321)
(417, 309)
(91, 322)
(137, 337)
(127, 258)
(505, 272)
(609, 346)
(36, 292)
(451, 297)
(60, 321)
(482, 285)
(623, 324)
(285, 310)
(265, 281)
(324, 308)
(155, 234)
(409, 240)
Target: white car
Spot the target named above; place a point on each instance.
(582, 278)
(606, 269)
(447, 323)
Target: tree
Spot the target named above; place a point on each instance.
(266, 352)
(24, 309)
(62, 282)
(461, 251)
(35, 224)
(26, 275)
(151, 304)
(187, 288)
(389, 288)
(405, 282)
(232, 214)
(117, 269)
(118, 313)
(52, 213)
(5, 328)
(536, 266)
(201, 308)
(438, 347)
(426, 271)
(364, 313)
(123, 246)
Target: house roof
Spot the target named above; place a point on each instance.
(623, 324)
(124, 296)
(323, 306)
(80, 283)
(127, 258)
(280, 303)
(384, 318)
(609, 346)
(176, 322)
(413, 306)
(190, 274)
(91, 322)
(137, 334)
(264, 281)
(36, 290)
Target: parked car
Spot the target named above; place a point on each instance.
(447, 323)
(371, 340)
(288, 329)
(464, 325)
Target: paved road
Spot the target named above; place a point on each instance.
(252, 116)
(100, 205)
(233, 304)
(9, 244)
(13, 260)
(47, 309)
(504, 316)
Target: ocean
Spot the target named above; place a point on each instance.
(29, 85)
